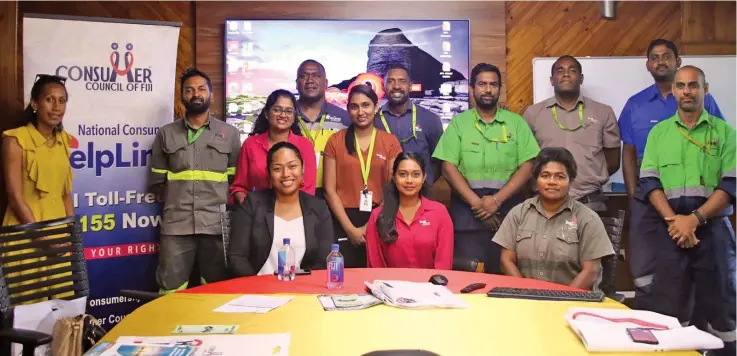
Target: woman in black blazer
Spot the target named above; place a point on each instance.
(268, 216)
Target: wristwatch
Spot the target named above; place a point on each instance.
(700, 217)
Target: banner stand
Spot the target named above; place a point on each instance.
(121, 76)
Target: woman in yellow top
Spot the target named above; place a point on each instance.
(38, 175)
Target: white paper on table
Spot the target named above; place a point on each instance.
(415, 295)
(225, 345)
(258, 304)
(42, 316)
(602, 335)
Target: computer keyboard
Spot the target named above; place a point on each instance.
(545, 294)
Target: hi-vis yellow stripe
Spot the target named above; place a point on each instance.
(196, 175)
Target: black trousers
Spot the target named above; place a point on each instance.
(353, 256)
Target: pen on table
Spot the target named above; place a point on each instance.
(387, 284)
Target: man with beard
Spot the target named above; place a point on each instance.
(486, 153)
(193, 160)
(583, 126)
(317, 118)
(687, 185)
(417, 129)
(641, 112)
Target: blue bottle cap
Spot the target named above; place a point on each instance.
(286, 241)
(336, 247)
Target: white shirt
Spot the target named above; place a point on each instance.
(295, 231)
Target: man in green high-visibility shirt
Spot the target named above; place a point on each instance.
(193, 160)
(486, 153)
(684, 197)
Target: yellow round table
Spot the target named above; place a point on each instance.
(491, 326)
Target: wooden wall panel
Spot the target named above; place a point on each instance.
(708, 27)
(551, 29)
(9, 106)
(487, 26)
(174, 11)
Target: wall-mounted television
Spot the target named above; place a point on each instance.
(263, 55)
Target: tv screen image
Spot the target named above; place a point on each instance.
(264, 55)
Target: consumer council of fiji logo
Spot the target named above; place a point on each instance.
(106, 78)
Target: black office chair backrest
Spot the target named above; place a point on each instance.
(226, 211)
(42, 261)
(614, 226)
(467, 264)
(401, 353)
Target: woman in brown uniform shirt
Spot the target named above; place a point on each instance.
(354, 184)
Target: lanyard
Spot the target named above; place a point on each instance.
(193, 135)
(705, 147)
(580, 119)
(365, 167)
(503, 139)
(414, 124)
(307, 132)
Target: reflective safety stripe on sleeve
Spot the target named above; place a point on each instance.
(675, 193)
(230, 171)
(649, 173)
(491, 184)
(195, 175)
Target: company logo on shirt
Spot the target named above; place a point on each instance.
(572, 224)
(424, 223)
(592, 119)
(418, 128)
(381, 156)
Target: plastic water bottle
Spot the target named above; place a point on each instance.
(286, 269)
(335, 268)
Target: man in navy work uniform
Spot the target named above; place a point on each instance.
(417, 129)
(641, 112)
(687, 183)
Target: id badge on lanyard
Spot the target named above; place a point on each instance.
(366, 196)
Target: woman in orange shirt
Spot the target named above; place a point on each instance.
(354, 184)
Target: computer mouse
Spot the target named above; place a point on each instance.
(439, 279)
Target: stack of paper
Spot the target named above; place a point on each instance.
(605, 330)
(224, 345)
(258, 304)
(347, 301)
(415, 295)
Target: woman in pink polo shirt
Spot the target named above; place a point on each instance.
(409, 230)
(276, 123)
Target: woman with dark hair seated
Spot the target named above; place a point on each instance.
(552, 237)
(409, 230)
(266, 217)
(276, 123)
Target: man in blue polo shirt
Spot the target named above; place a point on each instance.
(641, 113)
(417, 129)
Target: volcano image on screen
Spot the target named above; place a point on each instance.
(263, 55)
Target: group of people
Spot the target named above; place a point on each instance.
(526, 190)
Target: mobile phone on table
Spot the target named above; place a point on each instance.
(643, 336)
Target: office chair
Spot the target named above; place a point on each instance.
(49, 255)
(614, 227)
(400, 353)
(225, 212)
